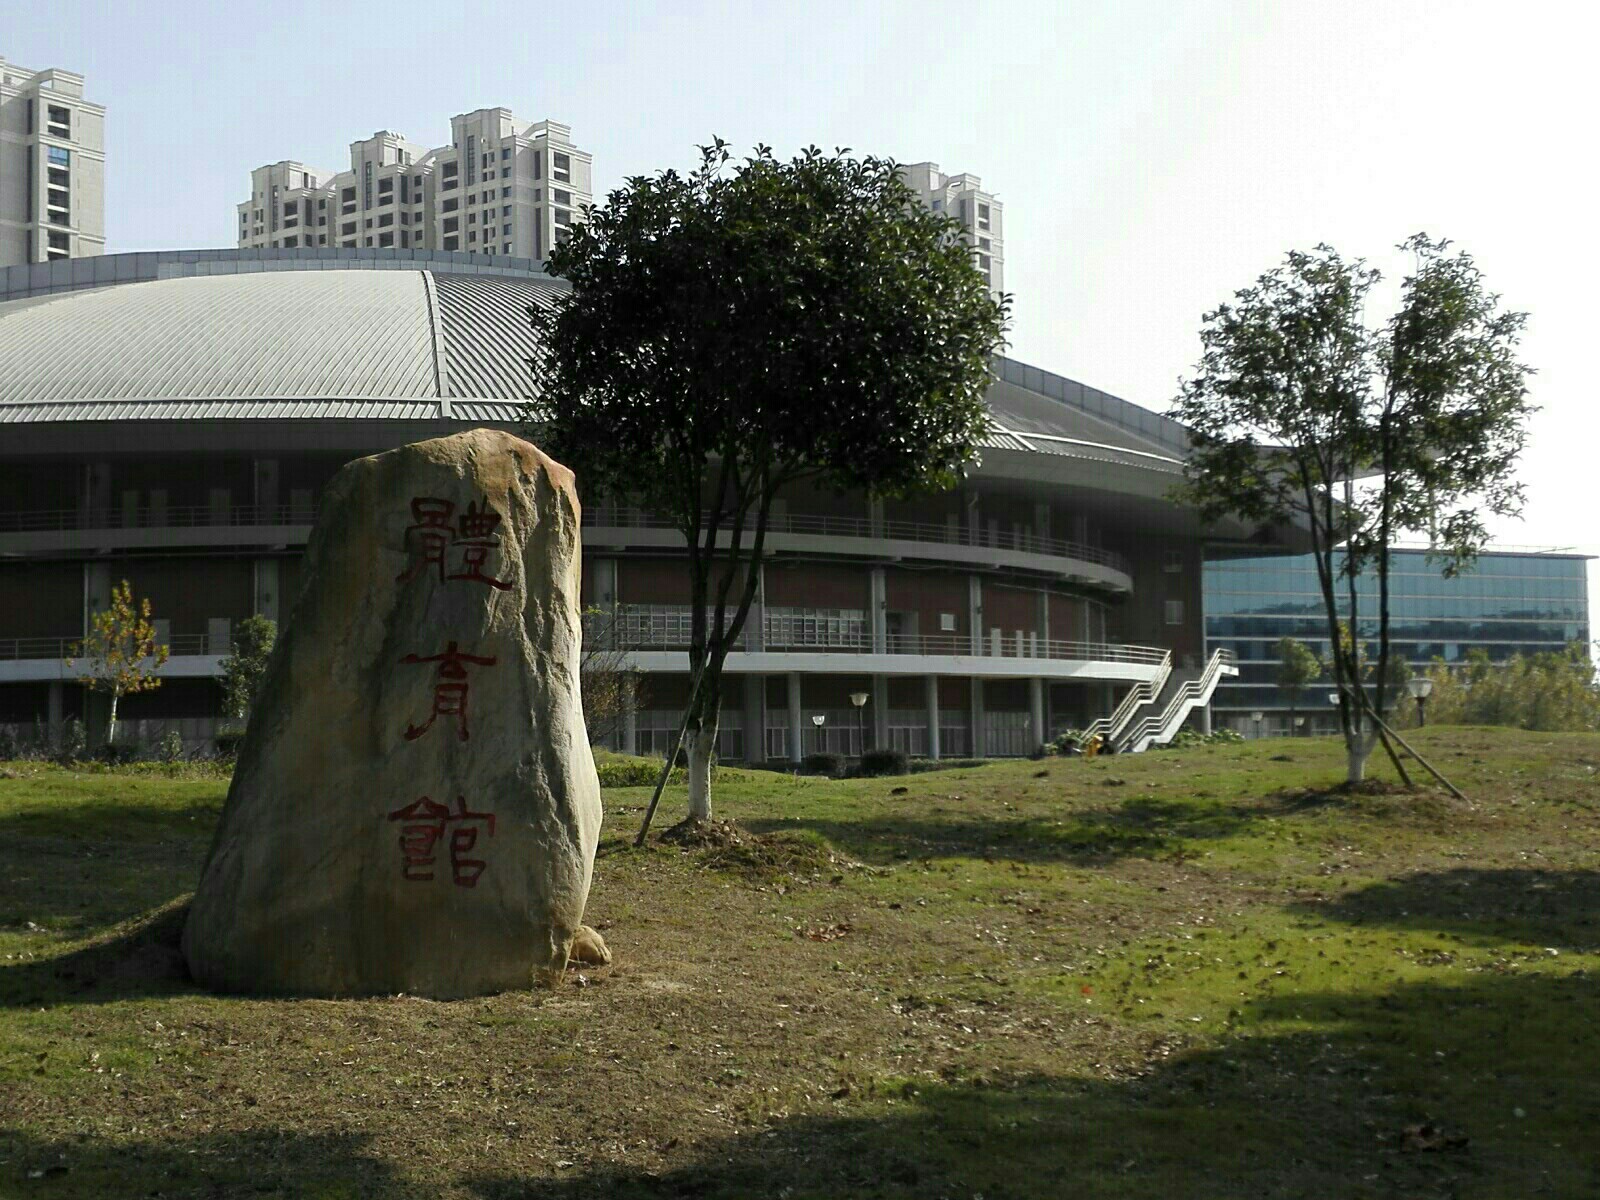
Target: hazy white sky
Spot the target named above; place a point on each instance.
(1152, 157)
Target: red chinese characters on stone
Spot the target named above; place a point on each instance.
(432, 542)
(425, 824)
(449, 689)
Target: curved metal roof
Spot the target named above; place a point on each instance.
(313, 338)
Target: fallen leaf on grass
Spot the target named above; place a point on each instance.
(825, 933)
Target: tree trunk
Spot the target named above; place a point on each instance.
(1358, 749)
(111, 722)
(702, 748)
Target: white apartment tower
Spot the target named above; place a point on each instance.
(52, 167)
(499, 187)
(963, 197)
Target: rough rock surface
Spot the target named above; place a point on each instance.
(415, 807)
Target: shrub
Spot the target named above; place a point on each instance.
(119, 753)
(884, 762)
(823, 764)
(10, 744)
(228, 742)
(170, 748)
(919, 765)
(74, 741)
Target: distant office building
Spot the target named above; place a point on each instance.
(500, 187)
(52, 167)
(963, 197)
(1510, 603)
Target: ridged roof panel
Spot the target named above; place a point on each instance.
(487, 337)
(316, 335)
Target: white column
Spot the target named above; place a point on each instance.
(933, 716)
(1036, 710)
(796, 719)
(1044, 619)
(880, 711)
(879, 600)
(630, 724)
(975, 612)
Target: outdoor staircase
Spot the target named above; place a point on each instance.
(1154, 712)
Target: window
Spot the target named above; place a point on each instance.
(506, 249)
(59, 121)
(60, 157)
(561, 167)
(291, 241)
(450, 205)
(448, 182)
(416, 182)
(563, 216)
(451, 224)
(472, 218)
(561, 197)
(366, 184)
(405, 218)
(488, 232)
(367, 224)
(505, 153)
(984, 244)
(347, 228)
(505, 210)
(1173, 563)
(452, 243)
(322, 204)
(983, 216)
(472, 235)
(386, 239)
(486, 197)
(505, 193)
(368, 241)
(386, 185)
(385, 219)
(347, 196)
(938, 205)
(472, 158)
(450, 167)
(59, 241)
(947, 622)
(1174, 612)
(538, 163)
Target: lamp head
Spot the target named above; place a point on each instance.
(858, 698)
(1419, 686)
(817, 719)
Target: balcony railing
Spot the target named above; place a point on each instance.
(171, 516)
(181, 644)
(845, 631)
(909, 531)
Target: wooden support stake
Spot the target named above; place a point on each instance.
(1432, 770)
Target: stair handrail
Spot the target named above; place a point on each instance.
(1109, 728)
(1161, 728)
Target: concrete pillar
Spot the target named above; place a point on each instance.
(268, 596)
(755, 716)
(974, 519)
(1042, 619)
(933, 716)
(975, 611)
(630, 723)
(879, 614)
(797, 749)
(266, 487)
(880, 712)
(96, 590)
(1036, 710)
(1205, 720)
(755, 628)
(979, 741)
(56, 695)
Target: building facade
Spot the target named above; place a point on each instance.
(980, 214)
(501, 187)
(1509, 603)
(172, 419)
(52, 167)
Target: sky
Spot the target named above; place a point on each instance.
(1151, 157)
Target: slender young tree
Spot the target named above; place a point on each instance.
(1297, 667)
(736, 330)
(121, 654)
(244, 669)
(1303, 415)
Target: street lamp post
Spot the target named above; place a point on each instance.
(1256, 717)
(859, 699)
(818, 720)
(1420, 687)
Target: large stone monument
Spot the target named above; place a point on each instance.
(415, 807)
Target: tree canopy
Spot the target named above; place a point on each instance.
(750, 325)
(1304, 416)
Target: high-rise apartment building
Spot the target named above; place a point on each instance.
(52, 167)
(500, 187)
(963, 197)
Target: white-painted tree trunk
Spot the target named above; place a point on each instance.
(1358, 749)
(702, 748)
(111, 724)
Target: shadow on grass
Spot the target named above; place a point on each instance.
(1143, 827)
(1411, 1092)
(139, 958)
(256, 1162)
(1559, 909)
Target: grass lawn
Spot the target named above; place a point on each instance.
(1179, 974)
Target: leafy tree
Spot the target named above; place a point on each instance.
(1302, 414)
(121, 653)
(610, 687)
(244, 669)
(749, 325)
(1297, 667)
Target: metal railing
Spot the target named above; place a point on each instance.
(952, 534)
(49, 647)
(845, 631)
(1109, 729)
(150, 516)
(1189, 693)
